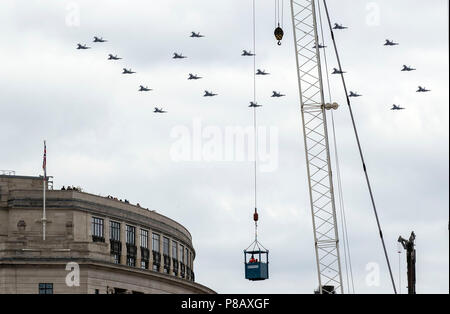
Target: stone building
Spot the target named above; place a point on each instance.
(93, 245)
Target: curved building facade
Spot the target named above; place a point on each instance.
(93, 244)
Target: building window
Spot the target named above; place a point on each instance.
(144, 264)
(97, 230)
(144, 239)
(186, 257)
(116, 245)
(131, 235)
(131, 261)
(174, 250)
(166, 246)
(155, 242)
(181, 253)
(115, 231)
(97, 291)
(45, 288)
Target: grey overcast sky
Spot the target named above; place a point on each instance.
(102, 135)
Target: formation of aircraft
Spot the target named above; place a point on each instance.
(159, 110)
(126, 71)
(423, 90)
(194, 77)
(261, 72)
(99, 40)
(178, 56)
(396, 108)
(196, 35)
(246, 53)
(339, 26)
(277, 94)
(352, 94)
(111, 57)
(209, 94)
(80, 46)
(407, 69)
(144, 89)
(390, 43)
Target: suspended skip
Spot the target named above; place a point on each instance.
(256, 258)
(279, 33)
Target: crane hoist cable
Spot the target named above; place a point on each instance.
(256, 270)
(347, 255)
(360, 148)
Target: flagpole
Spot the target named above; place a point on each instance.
(44, 214)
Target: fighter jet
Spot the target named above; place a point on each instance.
(277, 95)
(261, 72)
(320, 46)
(111, 57)
(209, 94)
(407, 69)
(339, 26)
(144, 89)
(178, 56)
(196, 35)
(352, 94)
(80, 46)
(254, 105)
(395, 107)
(193, 77)
(159, 110)
(99, 40)
(390, 43)
(125, 71)
(423, 90)
(336, 71)
(246, 53)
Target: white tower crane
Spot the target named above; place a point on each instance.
(315, 132)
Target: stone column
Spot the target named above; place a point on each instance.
(150, 249)
(138, 247)
(161, 267)
(123, 239)
(170, 257)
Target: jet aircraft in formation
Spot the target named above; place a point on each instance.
(209, 94)
(144, 89)
(194, 77)
(336, 71)
(246, 53)
(339, 26)
(407, 69)
(196, 35)
(159, 110)
(423, 90)
(99, 40)
(395, 108)
(80, 46)
(254, 105)
(352, 94)
(178, 56)
(126, 71)
(261, 72)
(390, 43)
(111, 57)
(277, 94)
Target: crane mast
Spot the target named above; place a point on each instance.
(317, 149)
